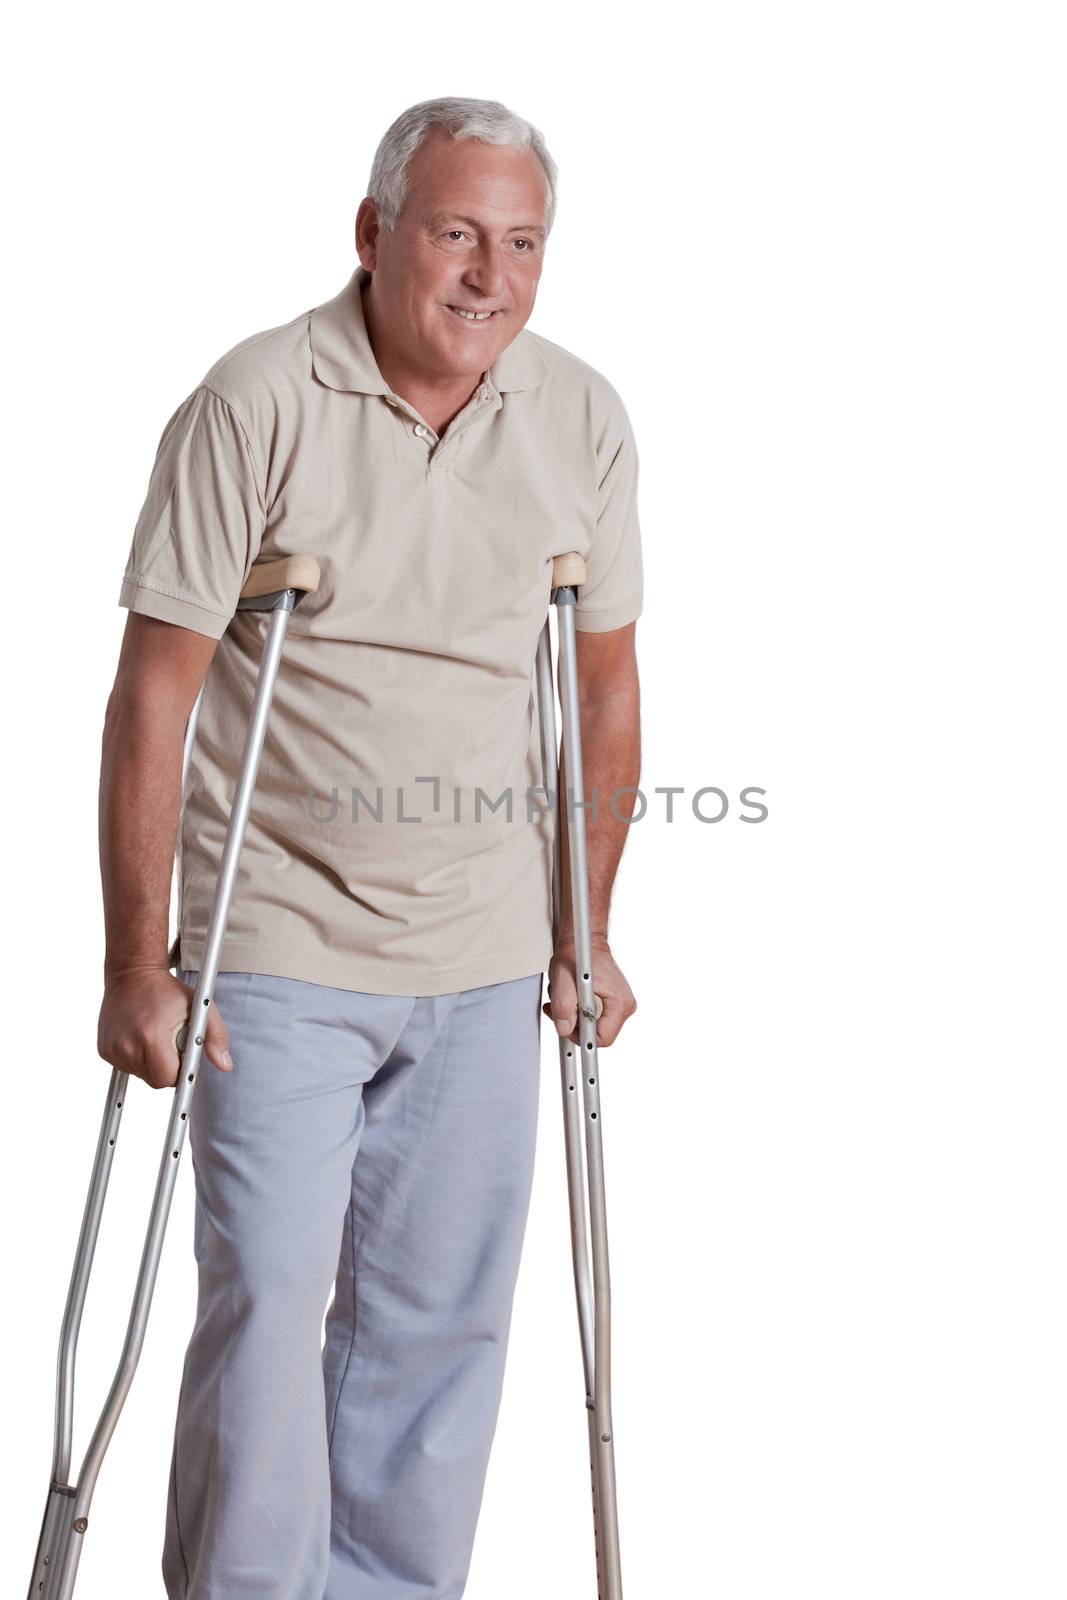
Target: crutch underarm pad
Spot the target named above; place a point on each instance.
(568, 570)
(291, 572)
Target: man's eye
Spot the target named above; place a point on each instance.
(456, 233)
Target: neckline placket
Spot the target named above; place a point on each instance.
(485, 400)
(439, 448)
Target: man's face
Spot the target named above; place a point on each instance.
(470, 238)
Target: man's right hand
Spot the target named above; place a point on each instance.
(141, 1012)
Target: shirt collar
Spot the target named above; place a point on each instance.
(341, 353)
(342, 357)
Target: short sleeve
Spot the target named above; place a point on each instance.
(202, 521)
(613, 591)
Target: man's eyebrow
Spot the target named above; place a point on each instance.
(442, 217)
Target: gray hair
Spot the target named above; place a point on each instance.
(485, 120)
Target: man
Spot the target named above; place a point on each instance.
(380, 982)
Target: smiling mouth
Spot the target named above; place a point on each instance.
(472, 318)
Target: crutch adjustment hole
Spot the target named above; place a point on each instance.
(207, 1002)
(585, 974)
(174, 1153)
(111, 1141)
(184, 1115)
(593, 1115)
(592, 1080)
(190, 1079)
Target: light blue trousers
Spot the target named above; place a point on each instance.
(383, 1145)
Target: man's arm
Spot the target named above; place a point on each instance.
(610, 710)
(160, 671)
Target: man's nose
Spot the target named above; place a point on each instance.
(485, 271)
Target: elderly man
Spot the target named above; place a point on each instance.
(375, 1023)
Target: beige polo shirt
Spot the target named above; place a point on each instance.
(383, 853)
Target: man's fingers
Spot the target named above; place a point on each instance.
(616, 1011)
(217, 1041)
(618, 1007)
(610, 1022)
(158, 1066)
(565, 1022)
(562, 1004)
(565, 1017)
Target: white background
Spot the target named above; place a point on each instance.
(820, 251)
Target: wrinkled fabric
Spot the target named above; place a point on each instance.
(399, 841)
(384, 1144)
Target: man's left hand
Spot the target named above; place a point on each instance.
(608, 983)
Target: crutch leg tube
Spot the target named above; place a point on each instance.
(276, 587)
(589, 1232)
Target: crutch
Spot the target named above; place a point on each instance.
(593, 1291)
(276, 587)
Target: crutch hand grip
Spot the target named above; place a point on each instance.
(181, 1038)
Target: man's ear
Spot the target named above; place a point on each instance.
(367, 226)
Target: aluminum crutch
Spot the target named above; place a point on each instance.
(276, 587)
(593, 1289)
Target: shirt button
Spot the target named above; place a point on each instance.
(420, 430)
